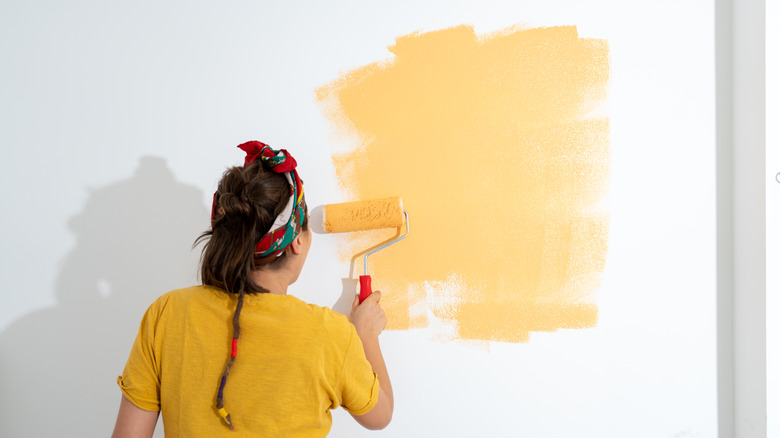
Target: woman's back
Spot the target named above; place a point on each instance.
(297, 362)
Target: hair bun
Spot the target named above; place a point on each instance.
(250, 197)
(234, 206)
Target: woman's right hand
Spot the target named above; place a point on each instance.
(368, 317)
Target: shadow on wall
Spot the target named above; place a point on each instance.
(58, 366)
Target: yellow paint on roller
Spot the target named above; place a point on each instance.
(363, 215)
(502, 162)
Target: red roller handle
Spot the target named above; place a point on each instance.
(365, 287)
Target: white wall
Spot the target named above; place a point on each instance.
(117, 120)
(741, 219)
(773, 216)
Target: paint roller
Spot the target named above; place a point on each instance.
(366, 215)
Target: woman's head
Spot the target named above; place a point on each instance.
(257, 212)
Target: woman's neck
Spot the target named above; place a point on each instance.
(276, 282)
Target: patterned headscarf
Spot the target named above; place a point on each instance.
(290, 222)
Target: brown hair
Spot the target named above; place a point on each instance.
(247, 201)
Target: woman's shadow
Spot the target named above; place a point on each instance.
(58, 366)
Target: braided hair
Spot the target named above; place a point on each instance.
(246, 203)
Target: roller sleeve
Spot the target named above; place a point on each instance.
(363, 215)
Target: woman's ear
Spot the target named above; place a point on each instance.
(296, 246)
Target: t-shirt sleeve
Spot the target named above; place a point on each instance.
(140, 381)
(359, 386)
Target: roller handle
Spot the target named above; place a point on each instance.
(365, 287)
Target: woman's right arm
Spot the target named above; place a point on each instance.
(369, 321)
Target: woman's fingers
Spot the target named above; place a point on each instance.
(368, 316)
(355, 302)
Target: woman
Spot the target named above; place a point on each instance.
(237, 356)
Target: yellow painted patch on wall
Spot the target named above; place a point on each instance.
(503, 164)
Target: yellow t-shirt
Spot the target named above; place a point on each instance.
(295, 363)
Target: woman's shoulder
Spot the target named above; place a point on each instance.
(184, 297)
(319, 312)
(185, 294)
(329, 322)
